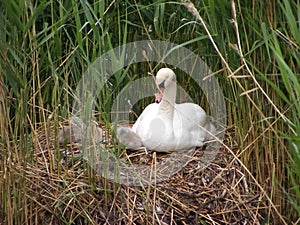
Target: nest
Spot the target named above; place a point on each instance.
(64, 189)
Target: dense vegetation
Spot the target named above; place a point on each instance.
(253, 46)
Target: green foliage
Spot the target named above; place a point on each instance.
(46, 46)
(282, 45)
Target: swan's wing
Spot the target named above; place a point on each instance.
(190, 115)
(146, 116)
(191, 124)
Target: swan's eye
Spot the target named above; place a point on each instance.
(162, 84)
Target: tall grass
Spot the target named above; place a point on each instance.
(46, 46)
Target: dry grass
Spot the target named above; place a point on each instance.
(67, 191)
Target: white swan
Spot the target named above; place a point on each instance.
(167, 126)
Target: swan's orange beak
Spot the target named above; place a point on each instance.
(158, 97)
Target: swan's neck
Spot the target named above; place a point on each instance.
(167, 104)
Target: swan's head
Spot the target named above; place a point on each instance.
(164, 78)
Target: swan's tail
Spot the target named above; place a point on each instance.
(128, 138)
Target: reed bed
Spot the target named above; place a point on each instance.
(253, 49)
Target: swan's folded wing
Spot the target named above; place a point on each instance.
(191, 114)
(146, 116)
